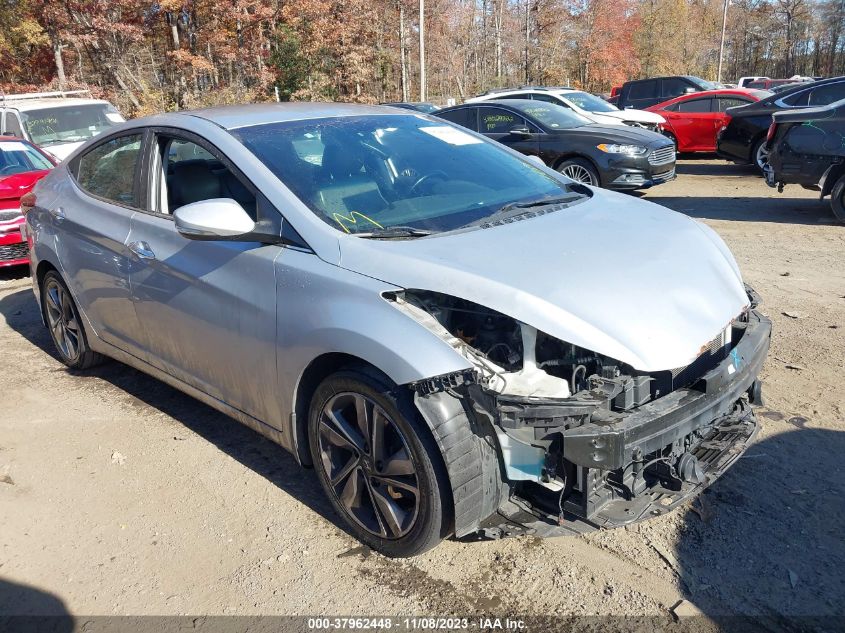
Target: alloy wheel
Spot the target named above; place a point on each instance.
(62, 320)
(368, 465)
(761, 157)
(578, 173)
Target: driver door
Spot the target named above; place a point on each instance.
(207, 309)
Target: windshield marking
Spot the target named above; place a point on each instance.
(351, 219)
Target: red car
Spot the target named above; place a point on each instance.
(694, 119)
(22, 164)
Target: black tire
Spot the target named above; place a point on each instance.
(579, 166)
(672, 138)
(65, 325)
(837, 199)
(387, 517)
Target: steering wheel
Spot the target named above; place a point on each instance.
(426, 177)
(8, 169)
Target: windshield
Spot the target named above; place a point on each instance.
(369, 173)
(588, 102)
(553, 116)
(69, 123)
(17, 157)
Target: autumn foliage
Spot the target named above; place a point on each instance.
(151, 56)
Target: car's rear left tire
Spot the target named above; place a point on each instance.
(760, 155)
(837, 199)
(378, 463)
(65, 325)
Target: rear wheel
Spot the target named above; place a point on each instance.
(760, 155)
(377, 463)
(65, 325)
(579, 170)
(837, 199)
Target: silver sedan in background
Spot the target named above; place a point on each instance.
(459, 341)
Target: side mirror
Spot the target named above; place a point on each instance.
(689, 90)
(215, 219)
(520, 130)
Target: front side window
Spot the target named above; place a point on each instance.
(17, 157)
(70, 123)
(381, 171)
(190, 173)
(108, 170)
(730, 102)
(673, 87)
(590, 103)
(498, 121)
(465, 117)
(694, 105)
(555, 117)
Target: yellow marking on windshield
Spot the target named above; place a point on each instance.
(352, 218)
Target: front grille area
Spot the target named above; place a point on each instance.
(666, 175)
(12, 252)
(662, 155)
(9, 214)
(711, 355)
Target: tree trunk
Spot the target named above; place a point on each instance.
(60, 65)
(403, 52)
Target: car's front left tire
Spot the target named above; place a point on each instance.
(378, 463)
(65, 325)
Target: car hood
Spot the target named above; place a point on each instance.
(624, 134)
(638, 116)
(62, 150)
(619, 276)
(14, 186)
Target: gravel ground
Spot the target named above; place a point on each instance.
(119, 495)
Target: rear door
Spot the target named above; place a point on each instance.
(207, 308)
(499, 124)
(694, 124)
(92, 218)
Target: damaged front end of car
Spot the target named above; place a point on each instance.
(572, 440)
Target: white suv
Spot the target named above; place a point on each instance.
(56, 121)
(590, 106)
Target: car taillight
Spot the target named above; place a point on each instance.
(27, 202)
(773, 128)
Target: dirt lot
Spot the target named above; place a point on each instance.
(119, 495)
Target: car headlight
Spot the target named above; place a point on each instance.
(616, 148)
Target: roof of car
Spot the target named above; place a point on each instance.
(39, 104)
(236, 116)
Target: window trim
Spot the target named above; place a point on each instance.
(73, 168)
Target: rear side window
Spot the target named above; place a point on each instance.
(694, 105)
(643, 90)
(673, 87)
(108, 170)
(465, 117)
(825, 95)
(498, 121)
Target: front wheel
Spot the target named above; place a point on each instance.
(377, 463)
(837, 199)
(579, 170)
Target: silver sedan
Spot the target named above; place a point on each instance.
(459, 340)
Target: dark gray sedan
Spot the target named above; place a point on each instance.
(611, 156)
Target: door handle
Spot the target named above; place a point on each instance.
(142, 250)
(58, 213)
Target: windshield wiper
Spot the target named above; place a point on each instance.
(514, 209)
(393, 232)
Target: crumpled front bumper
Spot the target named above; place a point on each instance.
(712, 417)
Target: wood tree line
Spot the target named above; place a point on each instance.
(149, 55)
